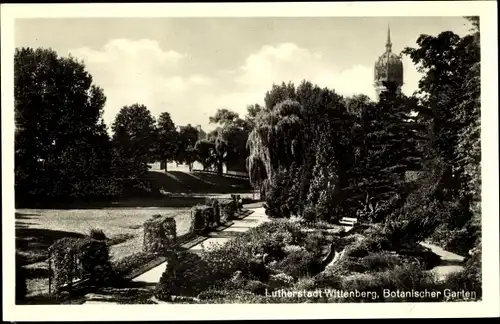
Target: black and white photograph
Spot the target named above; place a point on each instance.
(254, 154)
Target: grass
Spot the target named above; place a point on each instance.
(37, 229)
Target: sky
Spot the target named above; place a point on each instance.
(190, 67)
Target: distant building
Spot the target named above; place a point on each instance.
(388, 67)
(201, 133)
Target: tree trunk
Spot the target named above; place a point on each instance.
(166, 162)
(219, 169)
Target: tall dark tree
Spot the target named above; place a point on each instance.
(186, 152)
(61, 144)
(134, 138)
(167, 138)
(450, 94)
(391, 148)
(230, 140)
(206, 152)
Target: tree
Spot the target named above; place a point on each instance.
(167, 138)
(206, 153)
(230, 138)
(252, 112)
(186, 153)
(390, 149)
(61, 145)
(134, 138)
(450, 94)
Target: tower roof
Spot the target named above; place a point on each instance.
(388, 45)
(389, 66)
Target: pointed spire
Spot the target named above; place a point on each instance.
(388, 45)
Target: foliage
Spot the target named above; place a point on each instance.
(134, 138)
(456, 240)
(186, 152)
(450, 92)
(125, 266)
(167, 140)
(62, 149)
(185, 274)
(202, 218)
(83, 258)
(230, 139)
(97, 234)
(403, 278)
(206, 153)
(297, 263)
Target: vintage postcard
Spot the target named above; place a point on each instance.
(249, 161)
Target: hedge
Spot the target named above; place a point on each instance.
(160, 233)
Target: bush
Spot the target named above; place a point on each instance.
(202, 218)
(365, 247)
(256, 287)
(185, 274)
(379, 261)
(314, 242)
(280, 280)
(160, 233)
(227, 209)
(281, 195)
(328, 279)
(458, 240)
(97, 234)
(297, 264)
(470, 279)
(83, 258)
(403, 278)
(95, 261)
(127, 265)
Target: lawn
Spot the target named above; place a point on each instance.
(37, 229)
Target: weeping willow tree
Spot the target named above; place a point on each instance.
(275, 142)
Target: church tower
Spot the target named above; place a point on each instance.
(388, 67)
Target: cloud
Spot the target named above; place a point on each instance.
(140, 71)
(289, 62)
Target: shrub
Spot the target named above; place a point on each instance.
(202, 218)
(223, 261)
(83, 258)
(403, 278)
(297, 264)
(424, 256)
(379, 261)
(127, 265)
(160, 233)
(363, 248)
(227, 209)
(314, 242)
(97, 234)
(94, 261)
(185, 274)
(280, 280)
(470, 279)
(457, 240)
(328, 279)
(256, 287)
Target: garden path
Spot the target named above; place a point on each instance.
(151, 277)
(216, 238)
(450, 262)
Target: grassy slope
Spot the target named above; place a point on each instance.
(197, 182)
